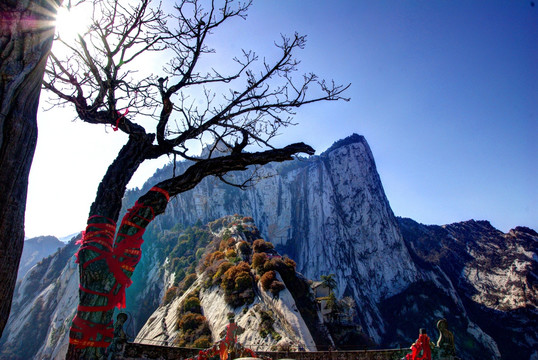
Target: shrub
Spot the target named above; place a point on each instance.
(188, 281)
(235, 260)
(276, 287)
(290, 264)
(203, 342)
(230, 242)
(216, 225)
(169, 295)
(230, 253)
(272, 264)
(258, 261)
(285, 266)
(266, 325)
(199, 253)
(192, 304)
(175, 263)
(244, 248)
(179, 275)
(191, 321)
(269, 282)
(267, 279)
(212, 257)
(237, 284)
(229, 277)
(248, 219)
(223, 267)
(243, 281)
(261, 245)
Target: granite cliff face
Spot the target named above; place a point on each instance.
(43, 306)
(330, 214)
(493, 277)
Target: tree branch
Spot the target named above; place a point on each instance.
(218, 166)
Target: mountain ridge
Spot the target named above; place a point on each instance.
(35, 249)
(330, 214)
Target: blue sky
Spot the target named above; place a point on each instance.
(445, 92)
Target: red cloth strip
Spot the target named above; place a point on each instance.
(81, 344)
(164, 192)
(90, 330)
(121, 116)
(104, 235)
(127, 252)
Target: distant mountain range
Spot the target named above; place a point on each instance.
(36, 249)
(329, 214)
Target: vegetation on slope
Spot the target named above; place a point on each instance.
(192, 325)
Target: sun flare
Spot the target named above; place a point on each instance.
(71, 22)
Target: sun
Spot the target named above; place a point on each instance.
(71, 22)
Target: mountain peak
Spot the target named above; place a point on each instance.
(523, 229)
(353, 138)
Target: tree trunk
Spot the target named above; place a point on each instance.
(97, 276)
(26, 34)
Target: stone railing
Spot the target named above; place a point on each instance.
(135, 351)
(132, 351)
(386, 354)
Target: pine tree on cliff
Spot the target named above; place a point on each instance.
(186, 105)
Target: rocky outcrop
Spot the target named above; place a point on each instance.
(268, 318)
(490, 277)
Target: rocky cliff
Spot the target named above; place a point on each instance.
(492, 279)
(330, 214)
(237, 275)
(43, 306)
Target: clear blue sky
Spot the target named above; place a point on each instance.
(445, 92)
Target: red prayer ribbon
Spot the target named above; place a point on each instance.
(124, 256)
(90, 330)
(121, 116)
(164, 192)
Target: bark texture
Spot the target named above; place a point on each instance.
(26, 34)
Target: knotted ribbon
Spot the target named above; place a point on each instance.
(124, 256)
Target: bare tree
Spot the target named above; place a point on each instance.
(26, 33)
(183, 106)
